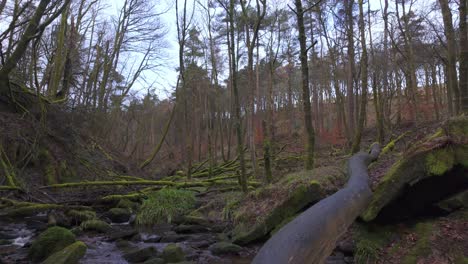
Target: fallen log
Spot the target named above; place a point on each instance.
(312, 236)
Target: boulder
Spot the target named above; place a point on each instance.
(155, 261)
(190, 229)
(430, 171)
(173, 253)
(96, 225)
(50, 241)
(140, 255)
(119, 215)
(69, 255)
(222, 248)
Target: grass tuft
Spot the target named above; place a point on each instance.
(164, 205)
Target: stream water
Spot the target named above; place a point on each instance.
(17, 235)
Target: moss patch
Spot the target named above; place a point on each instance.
(422, 248)
(69, 255)
(96, 225)
(49, 242)
(81, 216)
(266, 208)
(370, 240)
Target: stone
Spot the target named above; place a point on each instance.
(50, 241)
(222, 248)
(69, 255)
(173, 253)
(140, 255)
(190, 229)
(119, 215)
(155, 261)
(122, 234)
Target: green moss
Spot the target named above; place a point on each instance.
(173, 253)
(370, 240)
(164, 205)
(440, 161)
(461, 260)
(422, 248)
(135, 197)
(69, 255)
(96, 225)
(32, 209)
(80, 216)
(126, 203)
(455, 202)
(50, 241)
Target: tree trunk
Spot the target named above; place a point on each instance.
(350, 68)
(464, 55)
(362, 115)
(312, 236)
(305, 87)
(451, 54)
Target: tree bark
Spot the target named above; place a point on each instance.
(310, 143)
(312, 236)
(451, 55)
(362, 115)
(464, 55)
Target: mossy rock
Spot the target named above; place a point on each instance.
(50, 241)
(119, 215)
(69, 255)
(222, 248)
(140, 255)
(155, 261)
(79, 216)
(128, 204)
(289, 196)
(455, 202)
(95, 225)
(4, 242)
(173, 253)
(435, 156)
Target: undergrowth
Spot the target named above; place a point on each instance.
(164, 205)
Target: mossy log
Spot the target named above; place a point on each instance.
(429, 160)
(312, 236)
(18, 208)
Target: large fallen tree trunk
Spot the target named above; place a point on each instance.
(311, 237)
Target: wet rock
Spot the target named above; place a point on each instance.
(140, 255)
(119, 215)
(221, 248)
(346, 246)
(4, 242)
(123, 244)
(50, 241)
(172, 237)
(190, 229)
(155, 261)
(6, 236)
(122, 234)
(58, 218)
(150, 238)
(69, 255)
(202, 244)
(96, 225)
(173, 253)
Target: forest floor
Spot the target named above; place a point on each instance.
(220, 208)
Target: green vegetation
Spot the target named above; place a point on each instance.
(69, 255)
(369, 242)
(96, 225)
(50, 241)
(164, 205)
(422, 248)
(173, 254)
(80, 216)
